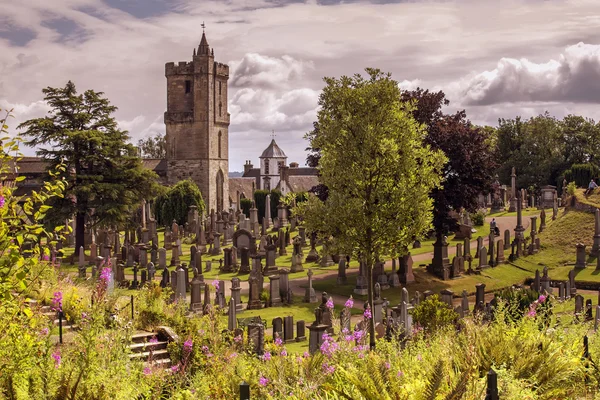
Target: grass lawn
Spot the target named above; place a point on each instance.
(558, 242)
(592, 199)
(528, 212)
(494, 278)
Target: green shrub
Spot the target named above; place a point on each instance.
(176, 202)
(478, 218)
(433, 315)
(245, 206)
(571, 188)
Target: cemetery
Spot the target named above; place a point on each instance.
(414, 274)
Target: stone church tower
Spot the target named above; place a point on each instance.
(197, 125)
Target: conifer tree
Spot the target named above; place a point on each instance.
(106, 180)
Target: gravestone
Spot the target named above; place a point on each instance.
(231, 316)
(256, 338)
(316, 330)
(274, 295)
(464, 303)
(277, 328)
(235, 293)
(310, 295)
(446, 297)
(479, 246)
(300, 331)
(581, 256)
(578, 304)
(483, 258)
(341, 276)
(288, 329)
(573, 289)
(406, 269)
(196, 294)
(500, 259)
(595, 252)
(479, 296)
(254, 302)
(506, 239)
(244, 260)
(394, 279)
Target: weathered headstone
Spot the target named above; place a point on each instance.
(288, 329)
(310, 295)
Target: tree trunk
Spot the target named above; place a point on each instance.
(79, 231)
(369, 262)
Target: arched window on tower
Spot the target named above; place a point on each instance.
(219, 88)
(220, 106)
(219, 150)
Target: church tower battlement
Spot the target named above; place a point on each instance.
(197, 125)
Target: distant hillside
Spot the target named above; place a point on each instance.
(235, 174)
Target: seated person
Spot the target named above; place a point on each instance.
(591, 187)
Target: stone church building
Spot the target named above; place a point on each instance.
(197, 140)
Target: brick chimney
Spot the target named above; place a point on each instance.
(247, 167)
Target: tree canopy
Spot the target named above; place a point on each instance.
(106, 180)
(153, 146)
(471, 162)
(377, 169)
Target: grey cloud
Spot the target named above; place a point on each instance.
(256, 70)
(575, 77)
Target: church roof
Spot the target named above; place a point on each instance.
(273, 151)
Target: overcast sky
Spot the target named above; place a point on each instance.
(494, 59)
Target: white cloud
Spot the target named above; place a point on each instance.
(281, 53)
(574, 77)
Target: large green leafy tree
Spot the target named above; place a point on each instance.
(105, 178)
(470, 150)
(377, 169)
(536, 148)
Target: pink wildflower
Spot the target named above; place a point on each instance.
(105, 274)
(400, 374)
(215, 283)
(2, 201)
(153, 339)
(542, 298)
(284, 352)
(237, 339)
(328, 369)
(187, 346)
(266, 356)
(44, 332)
(278, 341)
(57, 358)
(57, 301)
(349, 303)
(262, 381)
(175, 368)
(367, 314)
(329, 303)
(387, 365)
(147, 371)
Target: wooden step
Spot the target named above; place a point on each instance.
(163, 363)
(140, 347)
(141, 337)
(156, 355)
